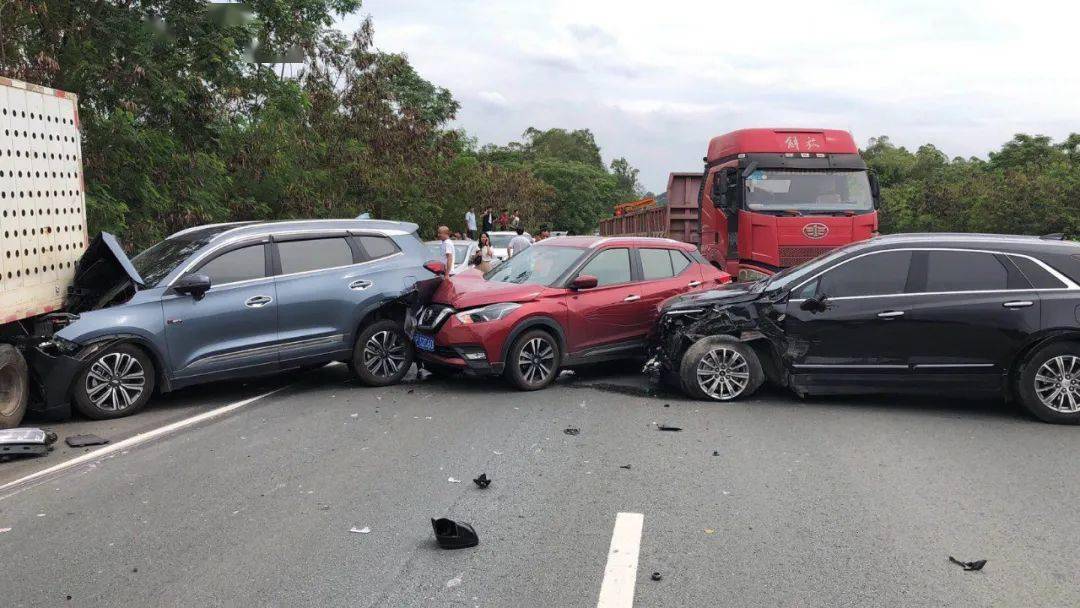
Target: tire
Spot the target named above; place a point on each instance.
(533, 360)
(14, 386)
(1039, 383)
(383, 354)
(720, 368)
(117, 382)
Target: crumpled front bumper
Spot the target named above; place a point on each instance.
(54, 371)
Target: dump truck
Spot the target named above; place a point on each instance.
(42, 224)
(766, 199)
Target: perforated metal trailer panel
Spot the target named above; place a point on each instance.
(42, 201)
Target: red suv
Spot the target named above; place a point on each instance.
(563, 302)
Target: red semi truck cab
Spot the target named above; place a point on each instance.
(774, 198)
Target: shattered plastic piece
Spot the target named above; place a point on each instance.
(969, 566)
(364, 530)
(79, 441)
(25, 441)
(625, 466)
(715, 453)
(710, 531)
(2, 530)
(482, 481)
(454, 582)
(452, 480)
(664, 427)
(453, 535)
(571, 430)
(656, 576)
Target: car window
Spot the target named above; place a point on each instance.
(378, 246)
(314, 254)
(870, 275)
(964, 271)
(655, 264)
(237, 265)
(1039, 277)
(679, 261)
(610, 267)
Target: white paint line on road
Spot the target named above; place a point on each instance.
(620, 575)
(135, 440)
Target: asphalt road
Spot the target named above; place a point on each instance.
(829, 502)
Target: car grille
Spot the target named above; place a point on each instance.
(430, 317)
(791, 256)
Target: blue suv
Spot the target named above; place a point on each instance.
(230, 300)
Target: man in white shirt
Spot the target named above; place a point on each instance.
(470, 223)
(519, 243)
(447, 248)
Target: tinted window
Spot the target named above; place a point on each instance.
(610, 267)
(1039, 277)
(964, 271)
(378, 246)
(655, 264)
(871, 275)
(678, 261)
(237, 265)
(315, 254)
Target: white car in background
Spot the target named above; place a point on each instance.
(463, 252)
(500, 242)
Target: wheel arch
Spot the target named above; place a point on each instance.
(389, 307)
(162, 383)
(546, 323)
(1045, 339)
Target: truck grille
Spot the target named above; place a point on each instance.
(792, 256)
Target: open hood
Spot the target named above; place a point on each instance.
(469, 290)
(104, 272)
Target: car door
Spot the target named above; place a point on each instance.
(605, 315)
(319, 286)
(664, 273)
(969, 312)
(862, 327)
(234, 325)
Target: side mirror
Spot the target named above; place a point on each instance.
(194, 285)
(585, 281)
(436, 268)
(818, 303)
(875, 190)
(725, 182)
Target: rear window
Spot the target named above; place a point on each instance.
(964, 271)
(314, 254)
(378, 246)
(1039, 277)
(661, 263)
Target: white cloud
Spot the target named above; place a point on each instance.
(655, 82)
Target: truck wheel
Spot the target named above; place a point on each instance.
(533, 361)
(383, 354)
(118, 382)
(720, 368)
(1049, 383)
(14, 386)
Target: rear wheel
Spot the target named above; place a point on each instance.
(118, 382)
(720, 368)
(383, 354)
(14, 386)
(533, 360)
(1049, 383)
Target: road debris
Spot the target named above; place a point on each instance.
(969, 566)
(364, 530)
(710, 531)
(2, 530)
(665, 427)
(482, 481)
(625, 466)
(26, 441)
(571, 430)
(452, 480)
(454, 582)
(454, 535)
(656, 576)
(715, 453)
(80, 441)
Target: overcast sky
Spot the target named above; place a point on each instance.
(655, 80)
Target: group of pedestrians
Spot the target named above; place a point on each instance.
(505, 220)
(485, 258)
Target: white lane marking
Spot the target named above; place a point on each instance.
(620, 575)
(136, 440)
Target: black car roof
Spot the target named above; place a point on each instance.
(1002, 242)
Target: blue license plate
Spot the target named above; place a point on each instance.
(424, 342)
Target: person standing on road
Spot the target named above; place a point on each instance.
(519, 243)
(515, 220)
(447, 248)
(488, 223)
(486, 253)
(504, 220)
(470, 223)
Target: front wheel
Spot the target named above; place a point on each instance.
(383, 354)
(1049, 383)
(720, 368)
(533, 360)
(14, 386)
(118, 382)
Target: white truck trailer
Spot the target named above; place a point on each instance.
(42, 223)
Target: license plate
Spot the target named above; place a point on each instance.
(424, 342)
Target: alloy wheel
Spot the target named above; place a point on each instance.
(536, 361)
(723, 373)
(115, 381)
(384, 354)
(1057, 384)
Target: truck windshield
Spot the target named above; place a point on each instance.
(803, 190)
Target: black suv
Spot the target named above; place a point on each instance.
(914, 313)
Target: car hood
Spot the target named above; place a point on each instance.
(731, 293)
(469, 290)
(103, 272)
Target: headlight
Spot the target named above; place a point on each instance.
(59, 346)
(749, 275)
(494, 312)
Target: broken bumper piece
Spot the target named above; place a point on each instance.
(25, 442)
(454, 535)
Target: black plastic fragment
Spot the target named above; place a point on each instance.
(454, 535)
(656, 576)
(665, 427)
(571, 431)
(625, 466)
(79, 441)
(482, 481)
(969, 566)
(715, 453)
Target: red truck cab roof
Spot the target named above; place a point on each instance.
(780, 141)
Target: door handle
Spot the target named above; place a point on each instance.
(360, 285)
(1018, 304)
(258, 301)
(633, 298)
(694, 284)
(890, 314)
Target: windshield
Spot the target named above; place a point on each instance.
(537, 265)
(155, 263)
(500, 241)
(818, 191)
